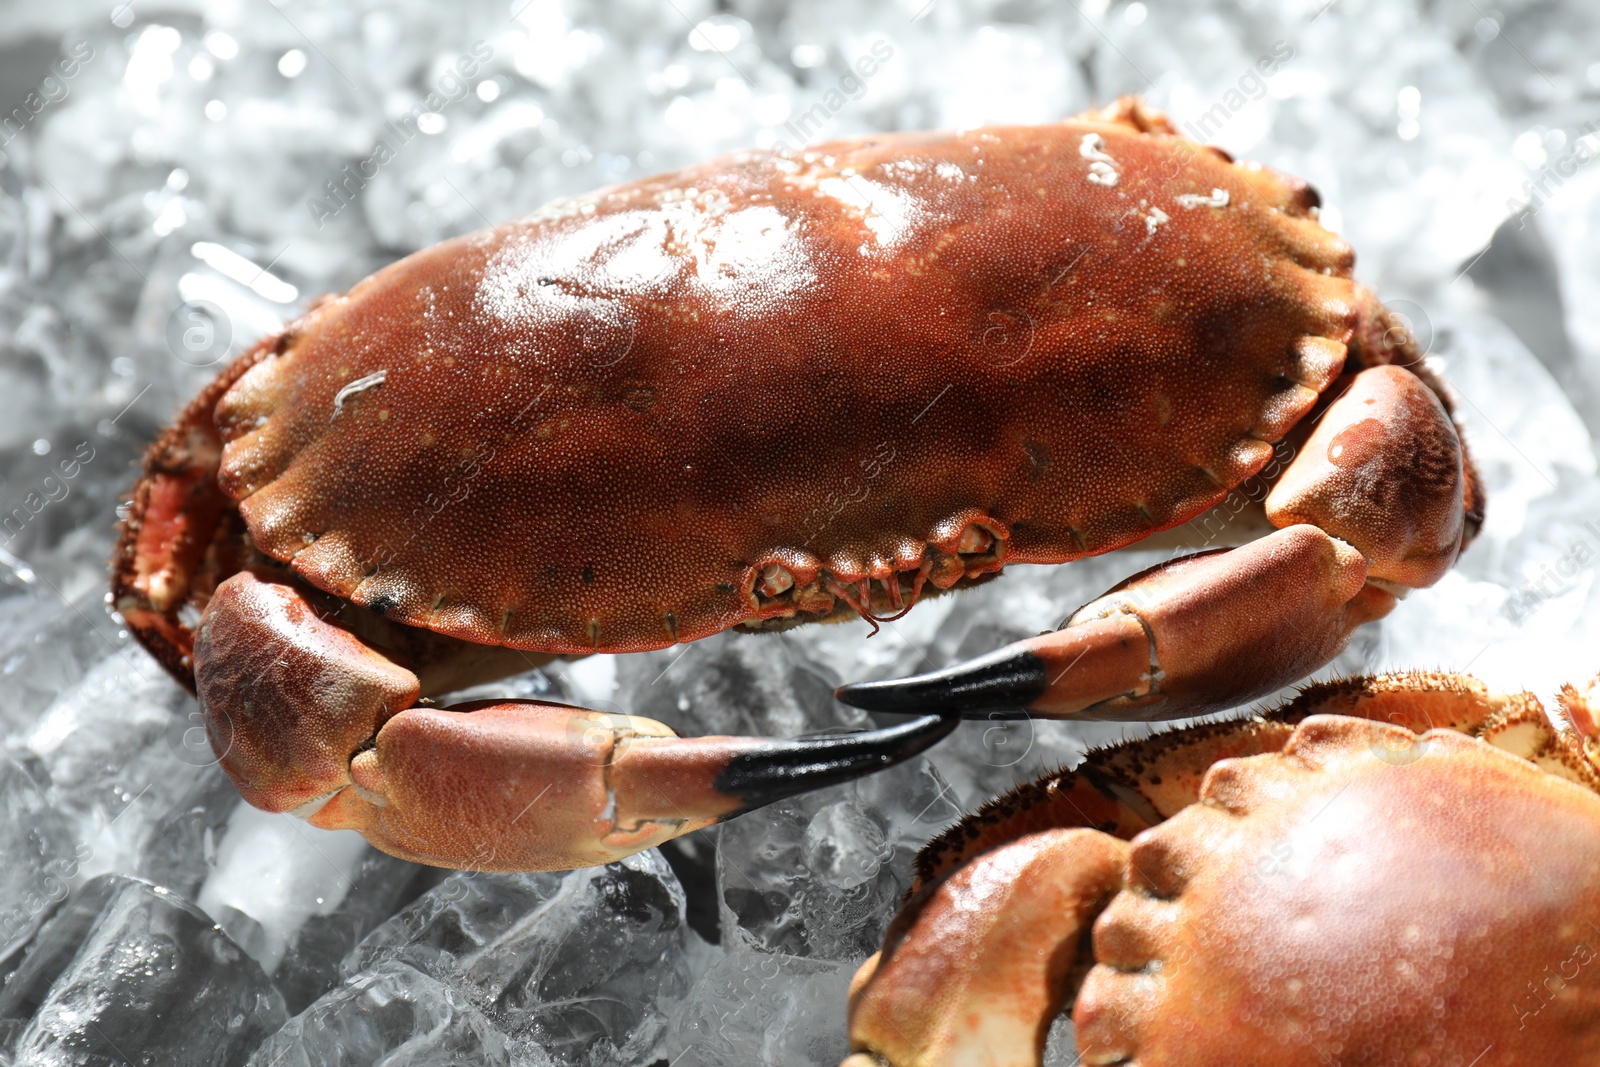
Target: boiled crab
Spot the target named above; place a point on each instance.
(765, 390)
(1400, 870)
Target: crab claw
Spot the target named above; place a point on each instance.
(1190, 637)
(518, 785)
(306, 718)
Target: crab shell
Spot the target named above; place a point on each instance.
(1366, 896)
(595, 429)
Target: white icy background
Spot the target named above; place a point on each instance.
(200, 129)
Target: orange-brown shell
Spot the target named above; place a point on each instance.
(591, 428)
(1366, 896)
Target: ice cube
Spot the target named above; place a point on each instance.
(578, 963)
(1061, 1046)
(43, 854)
(819, 875)
(180, 851)
(113, 743)
(152, 974)
(733, 683)
(379, 885)
(762, 1008)
(48, 644)
(279, 872)
(51, 950)
(392, 1015)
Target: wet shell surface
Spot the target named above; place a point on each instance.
(743, 390)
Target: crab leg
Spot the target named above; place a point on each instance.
(1384, 470)
(176, 515)
(305, 717)
(1373, 504)
(980, 969)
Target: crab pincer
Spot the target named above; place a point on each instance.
(1374, 504)
(308, 718)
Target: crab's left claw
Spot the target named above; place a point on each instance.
(522, 786)
(1374, 504)
(306, 717)
(527, 786)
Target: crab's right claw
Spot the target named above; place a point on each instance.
(307, 718)
(1194, 636)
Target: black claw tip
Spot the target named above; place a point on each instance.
(783, 768)
(1004, 681)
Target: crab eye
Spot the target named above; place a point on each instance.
(775, 580)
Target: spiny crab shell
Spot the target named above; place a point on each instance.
(646, 415)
